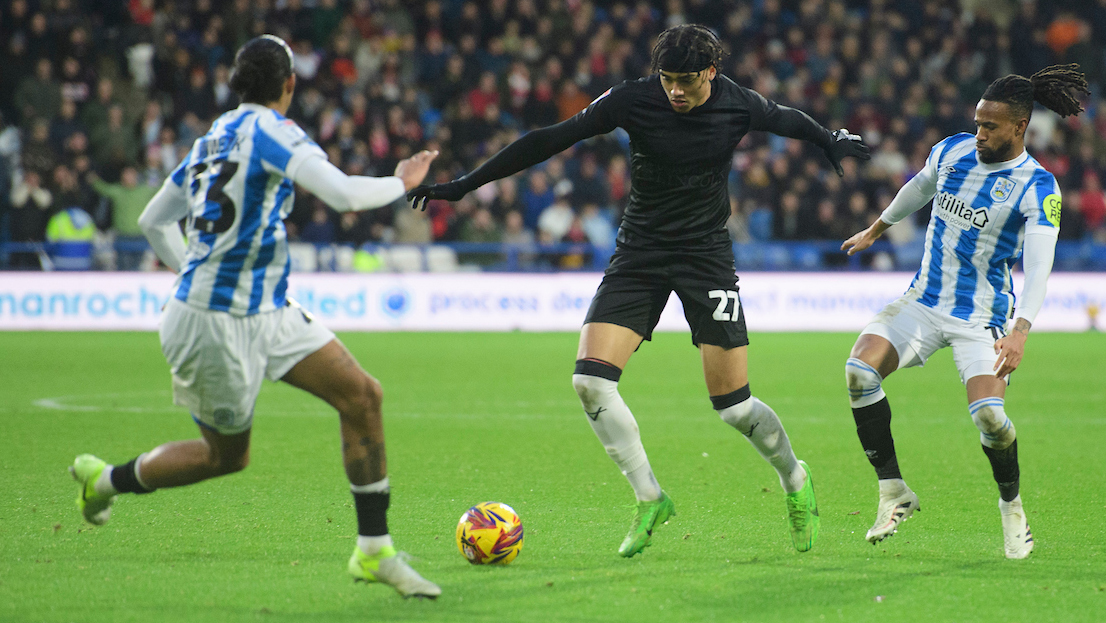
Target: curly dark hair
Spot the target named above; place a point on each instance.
(260, 69)
(687, 48)
(1051, 87)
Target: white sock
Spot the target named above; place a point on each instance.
(103, 484)
(892, 487)
(762, 427)
(616, 428)
(371, 545)
(379, 486)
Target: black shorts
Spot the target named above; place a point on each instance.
(638, 282)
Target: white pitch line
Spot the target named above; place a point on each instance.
(61, 403)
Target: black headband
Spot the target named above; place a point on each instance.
(682, 60)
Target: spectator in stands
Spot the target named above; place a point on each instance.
(77, 81)
(589, 185)
(571, 100)
(353, 230)
(413, 227)
(39, 96)
(537, 197)
(596, 226)
(887, 70)
(320, 230)
(96, 113)
(31, 205)
(69, 192)
(1092, 202)
(481, 228)
(540, 109)
(128, 199)
(38, 154)
(791, 222)
(556, 220)
(507, 199)
(115, 144)
(63, 126)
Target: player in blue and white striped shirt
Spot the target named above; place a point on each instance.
(992, 204)
(229, 324)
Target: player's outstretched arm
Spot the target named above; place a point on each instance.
(532, 148)
(911, 197)
(347, 193)
(159, 223)
(794, 123)
(846, 145)
(865, 238)
(1038, 253)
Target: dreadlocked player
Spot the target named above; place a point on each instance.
(992, 203)
(684, 123)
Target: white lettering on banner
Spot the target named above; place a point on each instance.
(502, 302)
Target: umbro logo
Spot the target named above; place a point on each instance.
(594, 416)
(950, 169)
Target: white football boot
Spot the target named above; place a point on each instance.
(895, 507)
(1016, 537)
(391, 568)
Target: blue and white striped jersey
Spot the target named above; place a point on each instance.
(238, 182)
(981, 213)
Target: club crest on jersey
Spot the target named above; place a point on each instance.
(1002, 189)
(955, 212)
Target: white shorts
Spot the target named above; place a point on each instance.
(917, 332)
(218, 359)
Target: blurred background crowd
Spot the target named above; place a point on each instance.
(100, 99)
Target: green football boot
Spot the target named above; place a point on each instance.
(95, 508)
(646, 517)
(389, 567)
(802, 514)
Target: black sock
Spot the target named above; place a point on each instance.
(372, 513)
(125, 480)
(1004, 465)
(873, 426)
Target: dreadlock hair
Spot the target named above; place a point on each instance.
(260, 69)
(1050, 87)
(686, 48)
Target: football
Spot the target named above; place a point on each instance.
(489, 533)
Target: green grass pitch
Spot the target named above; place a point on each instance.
(474, 417)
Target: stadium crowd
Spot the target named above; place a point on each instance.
(100, 99)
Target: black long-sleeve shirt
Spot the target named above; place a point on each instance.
(679, 162)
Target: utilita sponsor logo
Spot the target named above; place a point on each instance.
(959, 214)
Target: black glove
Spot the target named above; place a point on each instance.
(846, 145)
(450, 191)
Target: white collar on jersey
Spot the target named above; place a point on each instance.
(253, 107)
(1009, 164)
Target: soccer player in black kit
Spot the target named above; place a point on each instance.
(684, 123)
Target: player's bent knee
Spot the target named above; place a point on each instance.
(228, 462)
(740, 415)
(373, 391)
(595, 381)
(864, 383)
(995, 428)
(591, 389)
(745, 415)
(366, 395)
